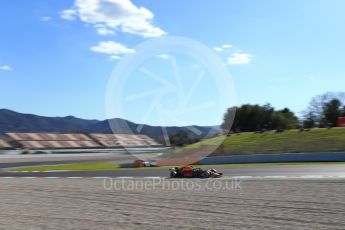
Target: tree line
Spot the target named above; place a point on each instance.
(323, 111)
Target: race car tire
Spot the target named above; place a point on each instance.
(204, 175)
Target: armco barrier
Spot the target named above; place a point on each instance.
(10, 152)
(271, 158)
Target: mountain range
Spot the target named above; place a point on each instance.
(11, 121)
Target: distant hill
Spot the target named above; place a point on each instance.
(11, 121)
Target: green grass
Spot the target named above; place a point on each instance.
(90, 166)
(77, 166)
(290, 141)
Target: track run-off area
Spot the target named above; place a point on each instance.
(63, 203)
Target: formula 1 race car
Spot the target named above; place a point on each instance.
(190, 172)
(141, 163)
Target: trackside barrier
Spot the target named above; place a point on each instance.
(272, 158)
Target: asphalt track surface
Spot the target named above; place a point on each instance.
(277, 170)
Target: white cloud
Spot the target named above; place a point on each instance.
(68, 14)
(114, 15)
(6, 68)
(164, 56)
(102, 30)
(45, 18)
(113, 49)
(218, 49)
(226, 46)
(114, 57)
(240, 58)
(222, 47)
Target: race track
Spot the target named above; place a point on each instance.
(278, 170)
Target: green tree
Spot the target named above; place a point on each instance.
(255, 117)
(284, 119)
(317, 106)
(182, 138)
(309, 121)
(331, 112)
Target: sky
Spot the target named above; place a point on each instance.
(57, 57)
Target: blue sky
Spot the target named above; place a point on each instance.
(56, 57)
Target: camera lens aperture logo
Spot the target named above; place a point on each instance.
(167, 82)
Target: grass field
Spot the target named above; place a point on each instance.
(76, 166)
(290, 141)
